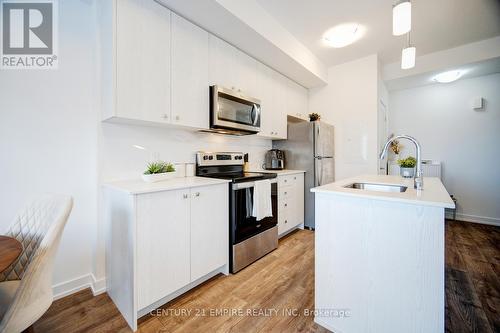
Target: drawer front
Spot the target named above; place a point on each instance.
(285, 192)
(285, 180)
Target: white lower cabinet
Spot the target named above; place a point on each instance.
(291, 202)
(161, 244)
(163, 253)
(209, 229)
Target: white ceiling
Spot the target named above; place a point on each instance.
(437, 25)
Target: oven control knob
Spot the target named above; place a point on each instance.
(205, 158)
(210, 158)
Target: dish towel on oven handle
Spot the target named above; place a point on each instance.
(262, 204)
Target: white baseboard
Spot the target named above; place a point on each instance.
(477, 219)
(66, 288)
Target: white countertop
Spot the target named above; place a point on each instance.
(138, 186)
(283, 172)
(433, 193)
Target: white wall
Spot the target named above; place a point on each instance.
(48, 138)
(349, 102)
(466, 141)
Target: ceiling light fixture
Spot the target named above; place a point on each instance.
(343, 34)
(401, 18)
(448, 77)
(408, 55)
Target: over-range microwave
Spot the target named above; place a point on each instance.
(233, 113)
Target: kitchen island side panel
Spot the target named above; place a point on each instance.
(380, 262)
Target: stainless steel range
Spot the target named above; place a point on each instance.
(249, 239)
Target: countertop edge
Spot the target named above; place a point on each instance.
(382, 198)
(167, 187)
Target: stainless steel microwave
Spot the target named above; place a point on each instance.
(233, 113)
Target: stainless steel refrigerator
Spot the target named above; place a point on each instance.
(310, 147)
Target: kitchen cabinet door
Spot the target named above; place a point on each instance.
(280, 105)
(222, 63)
(297, 101)
(209, 229)
(163, 252)
(246, 75)
(298, 200)
(190, 87)
(265, 93)
(142, 61)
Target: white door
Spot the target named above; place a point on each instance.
(221, 60)
(190, 88)
(209, 229)
(162, 244)
(142, 60)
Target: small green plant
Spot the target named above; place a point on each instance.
(159, 167)
(408, 162)
(314, 116)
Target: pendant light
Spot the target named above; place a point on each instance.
(408, 55)
(401, 18)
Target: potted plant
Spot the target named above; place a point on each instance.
(407, 167)
(314, 116)
(158, 171)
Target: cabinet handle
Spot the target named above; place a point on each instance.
(286, 205)
(185, 196)
(286, 221)
(285, 180)
(165, 116)
(197, 194)
(286, 193)
(294, 178)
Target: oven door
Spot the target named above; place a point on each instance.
(232, 110)
(243, 224)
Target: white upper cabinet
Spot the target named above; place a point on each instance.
(142, 61)
(190, 84)
(231, 68)
(297, 101)
(246, 74)
(221, 63)
(269, 91)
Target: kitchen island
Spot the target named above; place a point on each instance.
(379, 255)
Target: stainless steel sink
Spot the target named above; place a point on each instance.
(377, 187)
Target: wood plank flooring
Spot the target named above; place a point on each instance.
(284, 280)
(472, 277)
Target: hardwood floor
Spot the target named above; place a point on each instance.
(284, 280)
(472, 277)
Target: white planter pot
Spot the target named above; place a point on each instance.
(158, 177)
(407, 172)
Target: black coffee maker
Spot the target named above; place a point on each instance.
(275, 160)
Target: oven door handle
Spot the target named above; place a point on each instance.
(240, 186)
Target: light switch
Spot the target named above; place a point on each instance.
(477, 103)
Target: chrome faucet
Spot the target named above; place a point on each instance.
(418, 181)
